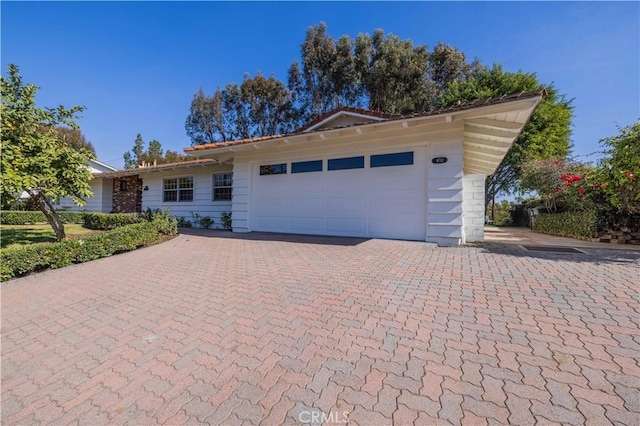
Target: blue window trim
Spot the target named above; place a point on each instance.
(395, 159)
(346, 163)
(306, 166)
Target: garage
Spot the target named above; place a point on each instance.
(380, 194)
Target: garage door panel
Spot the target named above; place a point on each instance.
(272, 207)
(381, 207)
(346, 181)
(306, 207)
(387, 202)
(350, 226)
(307, 183)
(306, 224)
(346, 207)
(401, 227)
(393, 181)
(272, 223)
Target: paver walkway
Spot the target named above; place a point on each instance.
(273, 329)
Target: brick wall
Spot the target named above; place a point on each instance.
(127, 194)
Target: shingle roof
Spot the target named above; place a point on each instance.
(388, 117)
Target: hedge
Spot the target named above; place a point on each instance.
(16, 217)
(20, 261)
(104, 221)
(587, 224)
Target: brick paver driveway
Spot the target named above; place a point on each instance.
(272, 330)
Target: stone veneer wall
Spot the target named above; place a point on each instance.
(128, 201)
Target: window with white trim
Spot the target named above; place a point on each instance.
(222, 186)
(177, 189)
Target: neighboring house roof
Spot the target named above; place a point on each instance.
(489, 128)
(310, 128)
(99, 166)
(367, 114)
(158, 168)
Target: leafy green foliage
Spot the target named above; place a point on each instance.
(546, 135)
(36, 161)
(13, 217)
(619, 172)
(567, 184)
(502, 216)
(226, 220)
(204, 222)
(585, 224)
(260, 106)
(184, 223)
(74, 138)
(154, 154)
(110, 220)
(24, 260)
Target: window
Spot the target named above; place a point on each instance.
(306, 166)
(177, 189)
(273, 169)
(346, 163)
(123, 185)
(222, 186)
(397, 159)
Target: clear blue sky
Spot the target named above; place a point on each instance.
(136, 65)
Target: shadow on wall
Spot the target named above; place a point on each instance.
(268, 236)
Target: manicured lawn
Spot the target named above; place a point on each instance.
(19, 235)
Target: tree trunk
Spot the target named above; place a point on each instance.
(50, 213)
(493, 208)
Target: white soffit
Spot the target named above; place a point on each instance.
(487, 138)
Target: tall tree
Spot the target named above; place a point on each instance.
(326, 76)
(154, 154)
(546, 135)
(268, 102)
(206, 122)
(393, 73)
(40, 163)
(73, 137)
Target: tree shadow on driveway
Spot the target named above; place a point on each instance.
(583, 254)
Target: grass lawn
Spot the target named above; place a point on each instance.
(19, 235)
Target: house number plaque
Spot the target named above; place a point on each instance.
(439, 160)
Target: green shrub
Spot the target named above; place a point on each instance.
(225, 218)
(184, 223)
(585, 224)
(104, 221)
(11, 217)
(23, 260)
(204, 222)
(72, 217)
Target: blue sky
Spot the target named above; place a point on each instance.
(136, 65)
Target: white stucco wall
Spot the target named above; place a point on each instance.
(473, 207)
(202, 203)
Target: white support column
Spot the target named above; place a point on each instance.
(473, 207)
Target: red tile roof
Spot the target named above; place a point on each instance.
(388, 117)
(159, 167)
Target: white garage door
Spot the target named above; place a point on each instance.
(375, 195)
